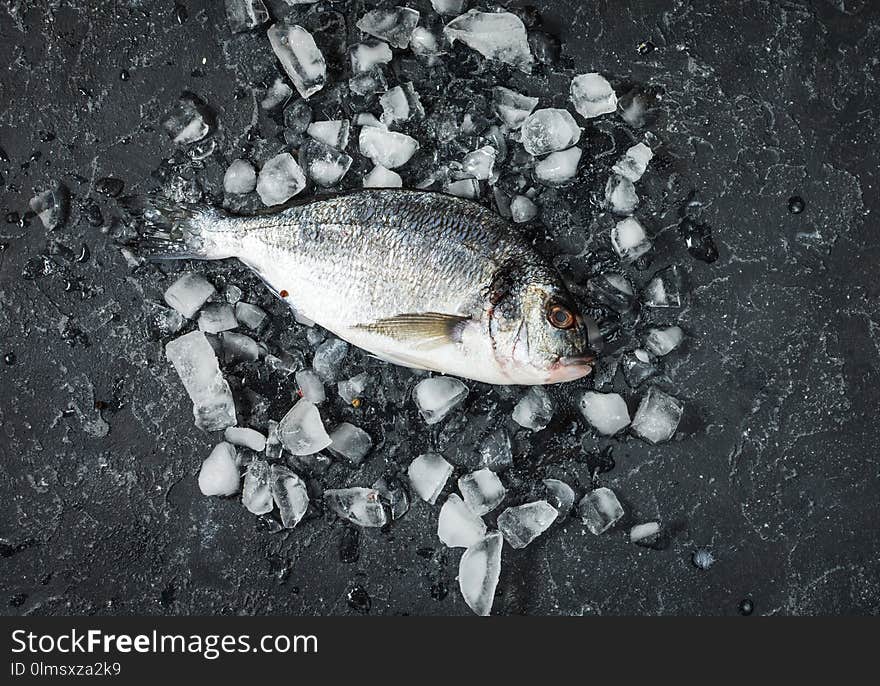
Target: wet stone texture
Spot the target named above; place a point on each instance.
(764, 119)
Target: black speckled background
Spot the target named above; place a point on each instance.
(775, 466)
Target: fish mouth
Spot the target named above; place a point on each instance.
(571, 367)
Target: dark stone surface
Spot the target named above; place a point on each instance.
(774, 468)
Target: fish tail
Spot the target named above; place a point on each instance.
(179, 231)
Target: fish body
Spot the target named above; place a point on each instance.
(420, 279)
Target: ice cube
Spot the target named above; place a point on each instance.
(478, 573)
(389, 149)
(394, 25)
(353, 389)
(256, 494)
(497, 36)
(523, 524)
(395, 106)
(188, 294)
(428, 475)
(280, 179)
(511, 107)
(219, 472)
(629, 240)
(482, 491)
(663, 341)
(298, 116)
(364, 56)
(164, 319)
(380, 177)
(664, 289)
(424, 44)
(190, 121)
(558, 167)
(496, 452)
(310, 386)
(634, 163)
(600, 510)
(350, 442)
(358, 505)
(244, 15)
(522, 209)
(52, 206)
(240, 178)
(249, 438)
(277, 94)
(436, 396)
(333, 133)
(613, 290)
(643, 533)
(324, 165)
(328, 358)
(657, 417)
(300, 57)
(393, 494)
(592, 95)
(196, 364)
(290, 495)
(301, 430)
(368, 82)
(561, 496)
(620, 195)
(549, 130)
(464, 188)
(637, 367)
(217, 317)
(607, 412)
(480, 163)
(534, 410)
(447, 6)
(458, 526)
(250, 316)
(239, 348)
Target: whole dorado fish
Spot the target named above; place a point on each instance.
(420, 279)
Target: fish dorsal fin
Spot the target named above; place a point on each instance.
(424, 329)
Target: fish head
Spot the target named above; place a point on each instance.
(538, 332)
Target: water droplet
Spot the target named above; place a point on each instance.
(12, 218)
(359, 599)
(9, 359)
(439, 591)
(124, 75)
(746, 607)
(796, 204)
(180, 13)
(109, 186)
(646, 47)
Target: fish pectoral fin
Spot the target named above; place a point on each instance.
(423, 329)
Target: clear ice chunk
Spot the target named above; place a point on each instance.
(219, 472)
(52, 206)
(657, 417)
(389, 149)
(664, 289)
(310, 386)
(217, 317)
(482, 491)
(395, 106)
(196, 364)
(380, 177)
(237, 347)
(458, 526)
(637, 367)
(244, 15)
(353, 389)
(522, 524)
(424, 43)
(280, 179)
(629, 240)
(534, 410)
(333, 133)
(464, 188)
(189, 293)
(240, 178)
(368, 82)
(364, 56)
(428, 475)
(643, 533)
(480, 163)
(620, 196)
(661, 342)
(394, 495)
(558, 167)
(277, 94)
(358, 505)
(522, 209)
(250, 316)
(511, 107)
(190, 121)
(300, 57)
(301, 430)
(549, 130)
(634, 163)
(447, 6)
(600, 510)
(613, 290)
(165, 320)
(324, 165)
(499, 36)
(290, 495)
(350, 442)
(437, 396)
(561, 496)
(249, 438)
(328, 358)
(606, 412)
(394, 25)
(478, 573)
(592, 95)
(496, 451)
(256, 493)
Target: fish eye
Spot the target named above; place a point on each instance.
(560, 317)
